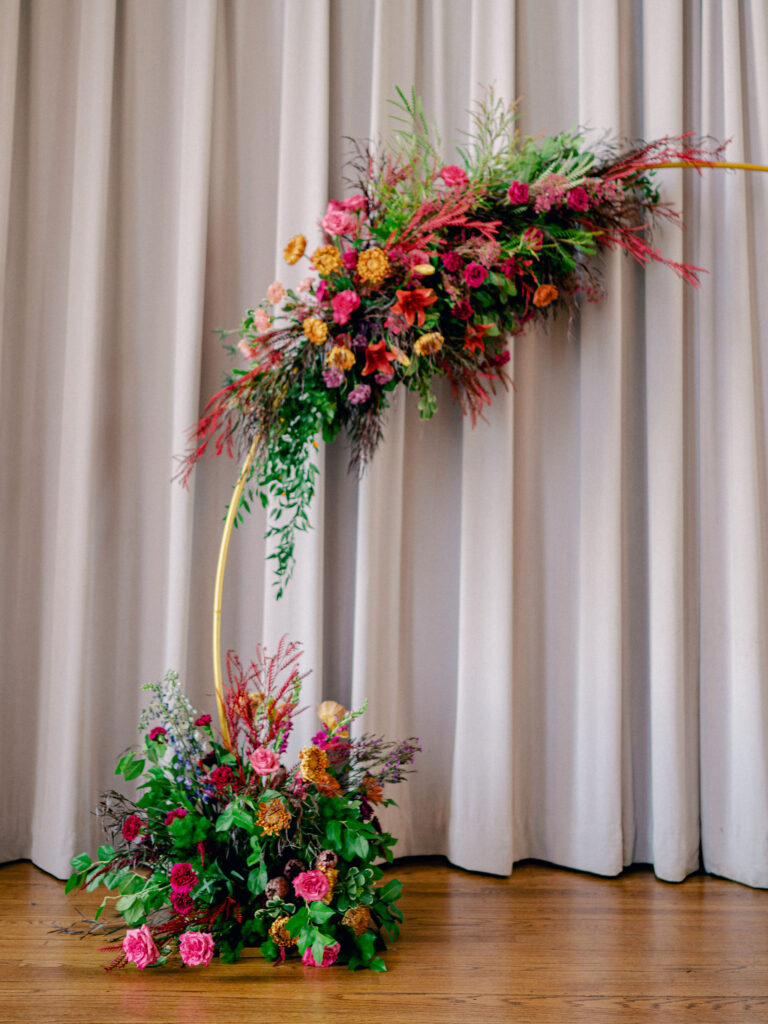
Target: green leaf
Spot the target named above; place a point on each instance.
(81, 862)
(94, 883)
(391, 891)
(257, 879)
(377, 964)
(126, 902)
(134, 769)
(318, 948)
(105, 853)
(319, 912)
(269, 950)
(297, 922)
(72, 883)
(123, 763)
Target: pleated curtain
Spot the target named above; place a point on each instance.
(567, 604)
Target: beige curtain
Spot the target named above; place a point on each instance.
(568, 604)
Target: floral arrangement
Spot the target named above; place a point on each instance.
(228, 847)
(425, 270)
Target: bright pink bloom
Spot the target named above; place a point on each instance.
(263, 761)
(344, 304)
(518, 193)
(131, 828)
(354, 203)
(275, 293)
(475, 274)
(183, 877)
(157, 734)
(453, 176)
(452, 262)
(533, 238)
(260, 318)
(139, 947)
(330, 953)
(171, 816)
(196, 948)
(338, 222)
(202, 721)
(578, 198)
(349, 259)
(322, 291)
(311, 885)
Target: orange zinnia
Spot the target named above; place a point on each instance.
(545, 294)
(411, 304)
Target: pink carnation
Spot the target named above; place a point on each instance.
(183, 877)
(139, 947)
(260, 318)
(196, 948)
(275, 293)
(203, 720)
(311, 885)
(518, 193)
(304, 284)
(338, 222)
(171, 816)
(453, 176)
(451, 261)
(344, 304)
(131, 828)
(263, 761)
(157, 734)
(330, 953)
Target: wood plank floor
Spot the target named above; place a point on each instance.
(545, 944)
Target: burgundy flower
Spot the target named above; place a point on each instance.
(518, 193)
(203, 720)
(157, 734)
(171, 816)
(463, 310)
(451, 261)
(509, 267)
(277, 888)
(131, 828)
(349, 259)
(221, 777)
(183, 877)
(475, 274)
(578, 199)
(182, 903)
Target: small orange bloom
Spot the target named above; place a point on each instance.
(373, 265)
(374, 791)
(545, 294)
(273, 817)
(314, 763)
(378, 358)
(295, 249)
(411, 304)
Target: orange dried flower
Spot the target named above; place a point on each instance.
(358, 919)
(333, 878)
(374, 791)
(545, 294)
(295, 249)
(428, 344)
(278, 932)
(314, 763)
(327, 785)
(273, 817)
(373, 265)
(315, 329)
(327, 260)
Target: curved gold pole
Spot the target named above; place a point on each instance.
(706, 163)
(219, 587)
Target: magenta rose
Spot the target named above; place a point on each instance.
(263, 761)
(202, 721)
(196, 948)
(183, 877)
(330, 953)
(344, 304)
(475, 274)
(139, 947)
(311, 885)
(131, 828)
(171, 816)
(157, 734)
(518, 193)
(338, 222)
(578, 199)
(453, 176)
(533, 238)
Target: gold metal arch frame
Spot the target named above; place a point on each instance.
(246, 468)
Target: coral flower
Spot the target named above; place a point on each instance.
(411, 304)
(378, 358)
(373, 265)
(295, 249)
(545, 294)
(428, 344)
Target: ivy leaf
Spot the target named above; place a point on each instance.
(81, 862)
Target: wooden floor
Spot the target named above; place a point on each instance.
(544, 945)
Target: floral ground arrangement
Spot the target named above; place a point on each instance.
(227, 847)
(424, 271)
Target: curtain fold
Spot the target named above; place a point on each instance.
(567, 603)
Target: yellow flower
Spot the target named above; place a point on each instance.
(273, 817)
(295, 249)
(314, 763)
(327, 260)
(279, 933)
(358, 919)
(341, 357)
(330, 713)
(315, 329)
(332, 875)
(423, 269)
(428, 344)
(373, 265)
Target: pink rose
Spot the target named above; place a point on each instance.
(475, 274)
(139, 947)
(304, 284)
(275, 293)
(260, 318)
(354, 203)
(311, 885)
(330, 953)
(578, 199)
(344, 304)
(453, 176)
(533, 238)
(338, 222)
(196, 948)
(518, 193)
(263, 761)
(246, 348)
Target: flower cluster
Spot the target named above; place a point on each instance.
(254, 851)
(425, 271)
